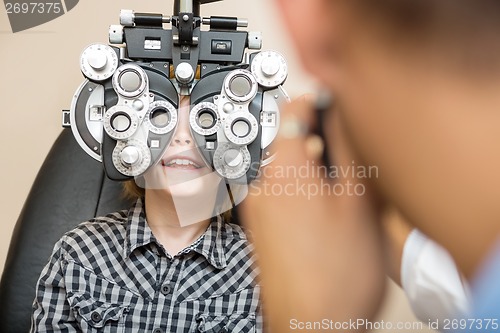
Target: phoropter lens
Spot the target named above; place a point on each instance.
(160, 117)
(206, 119)
(120, 122)
(240, 86)
(130, 81)
(240, 128)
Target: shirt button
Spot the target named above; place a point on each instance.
(96, 317)
(223, 330)
(165, 289)
(157, 330)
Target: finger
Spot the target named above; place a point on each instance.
(295, 175)
(295, 144)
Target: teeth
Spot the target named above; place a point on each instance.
(182, 162)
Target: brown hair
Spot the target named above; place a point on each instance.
(132, 191)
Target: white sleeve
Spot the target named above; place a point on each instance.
(431, 280)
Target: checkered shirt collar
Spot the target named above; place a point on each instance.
(209, 245)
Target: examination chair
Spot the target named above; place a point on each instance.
(70, 188)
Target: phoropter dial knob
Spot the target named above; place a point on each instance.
(231, 162)
(130, 155)
(270, 69)
(131, 158)
(98, 62)
(184, 73)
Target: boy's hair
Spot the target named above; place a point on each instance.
(133, 191)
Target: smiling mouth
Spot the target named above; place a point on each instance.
(181, 163)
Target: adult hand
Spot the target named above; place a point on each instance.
(317, 238)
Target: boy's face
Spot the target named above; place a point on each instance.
(182, 168)
(182, 172)
(184, 179)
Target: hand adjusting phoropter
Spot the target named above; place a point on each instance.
(125, 112)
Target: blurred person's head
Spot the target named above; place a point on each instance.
(417, 83)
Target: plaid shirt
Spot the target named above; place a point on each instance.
(111, 275)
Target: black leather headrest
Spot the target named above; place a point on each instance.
(70, 188)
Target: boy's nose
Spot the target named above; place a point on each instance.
(182, 140)
(182, 134)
